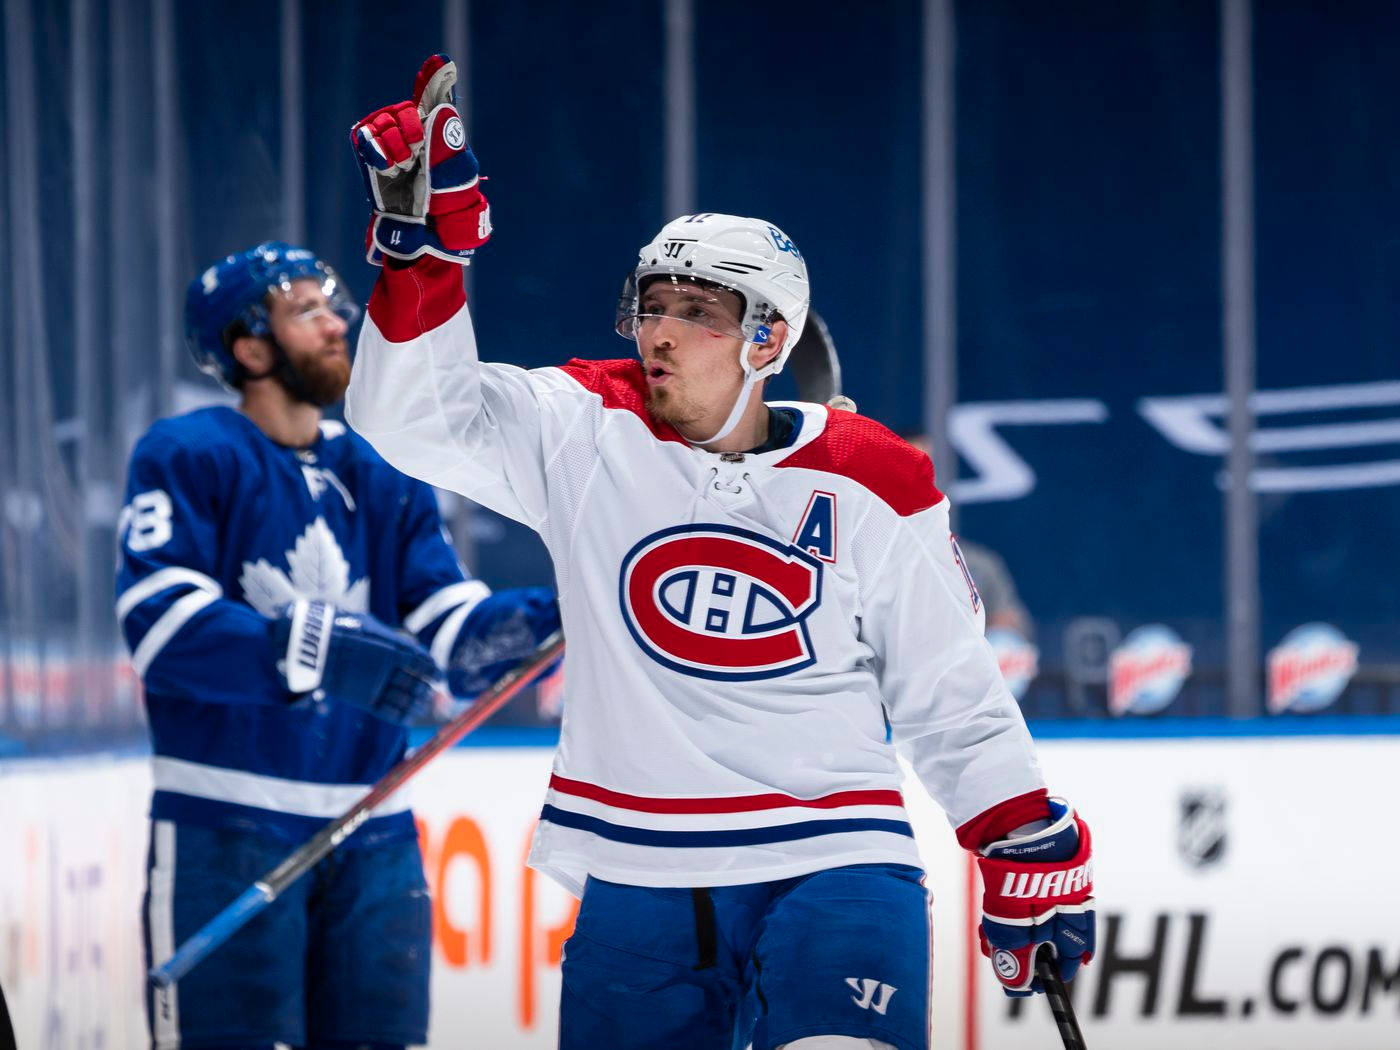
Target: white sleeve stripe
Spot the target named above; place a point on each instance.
(163, 580)
(447, 634)
(164, 629)
(440, 601)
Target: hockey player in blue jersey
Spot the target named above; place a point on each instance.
(291, 602)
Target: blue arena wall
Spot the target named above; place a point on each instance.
(1088, 279)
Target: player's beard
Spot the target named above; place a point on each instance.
(668, 406)
(671, 403)
(322, 376)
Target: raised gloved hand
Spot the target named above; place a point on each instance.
(499, 633)
(1038, 889)
(420, 176)
(353, 658)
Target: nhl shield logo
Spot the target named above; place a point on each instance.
(1200, 838)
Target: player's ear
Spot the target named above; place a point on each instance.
(254, 354)
(764, 353)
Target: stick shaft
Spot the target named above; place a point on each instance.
(1058, 998)
(7, 1031)
(268, 888)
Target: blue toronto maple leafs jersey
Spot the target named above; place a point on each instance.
(223, 526)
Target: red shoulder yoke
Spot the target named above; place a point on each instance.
(872, 456)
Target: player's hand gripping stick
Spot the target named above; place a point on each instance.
(268, 888)
(353, 658)
(1058, 998)
(1037, 889)
(500, 630)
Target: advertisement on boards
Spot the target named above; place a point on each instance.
(1245, 900)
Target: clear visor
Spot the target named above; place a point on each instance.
(632, 325)
(316, 300)
(666, 301)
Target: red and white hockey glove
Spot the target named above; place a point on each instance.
(420, 176)
(1037, 888)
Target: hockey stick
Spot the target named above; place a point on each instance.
(1058, 998)
(815, 367)
(268, 888)
(7, 1031)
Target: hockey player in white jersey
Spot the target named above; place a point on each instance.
(763, 601)
(269, 558)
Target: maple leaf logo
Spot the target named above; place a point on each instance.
(318, 570)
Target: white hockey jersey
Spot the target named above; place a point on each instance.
(746, 632)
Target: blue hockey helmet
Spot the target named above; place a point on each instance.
(236, 288)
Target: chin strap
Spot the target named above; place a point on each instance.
(752, 377)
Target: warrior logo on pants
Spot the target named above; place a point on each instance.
(714, 601)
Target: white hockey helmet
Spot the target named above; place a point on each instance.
(748, 256)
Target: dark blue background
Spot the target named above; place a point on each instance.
(1088, 251)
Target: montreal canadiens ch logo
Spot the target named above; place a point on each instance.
(720, 602)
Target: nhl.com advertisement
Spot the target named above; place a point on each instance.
(1245, 901)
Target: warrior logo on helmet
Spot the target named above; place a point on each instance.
(719, 602)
